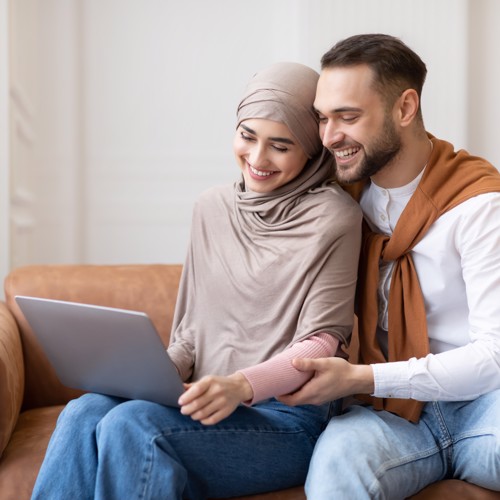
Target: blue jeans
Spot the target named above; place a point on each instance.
(109, 448)
(367, 454)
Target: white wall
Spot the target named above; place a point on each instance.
(4, 145)
(137, 98)
(22, 131)
(59, 146)
(483, 97)
(162, 80)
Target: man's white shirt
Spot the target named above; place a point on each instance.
(458, 266)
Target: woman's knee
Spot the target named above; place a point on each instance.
(87, 407)
(136, 418)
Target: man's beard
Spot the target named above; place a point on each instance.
(382, 151)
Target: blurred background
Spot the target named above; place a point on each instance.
(116, 114)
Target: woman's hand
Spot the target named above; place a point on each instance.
(213, 398)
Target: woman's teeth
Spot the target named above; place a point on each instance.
(261, 173)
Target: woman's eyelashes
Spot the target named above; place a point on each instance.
(277, 147)
(247, 137)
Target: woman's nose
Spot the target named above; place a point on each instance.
(258, 157)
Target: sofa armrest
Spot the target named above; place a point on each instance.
(11, 375)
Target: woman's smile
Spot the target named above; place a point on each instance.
(260, 174)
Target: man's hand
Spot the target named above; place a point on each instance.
(333, 378)
(213, 398)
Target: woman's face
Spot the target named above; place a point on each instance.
(268, 154)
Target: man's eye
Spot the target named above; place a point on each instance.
(349, 118)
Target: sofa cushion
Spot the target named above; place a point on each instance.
(24, 454)
(296, 493)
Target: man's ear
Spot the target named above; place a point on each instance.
(407, 107)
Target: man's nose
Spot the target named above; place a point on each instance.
(330, 134)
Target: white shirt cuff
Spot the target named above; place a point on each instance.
(392, 380)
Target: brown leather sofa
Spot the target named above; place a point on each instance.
(31, 397)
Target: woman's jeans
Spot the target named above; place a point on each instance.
(107, 448)
(367, 454)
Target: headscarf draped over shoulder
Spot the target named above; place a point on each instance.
(265, 270)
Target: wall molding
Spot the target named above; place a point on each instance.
(4, 146)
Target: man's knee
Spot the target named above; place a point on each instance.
(478, 459)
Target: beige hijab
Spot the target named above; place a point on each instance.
(266, 270)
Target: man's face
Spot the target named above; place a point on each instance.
(355, 124)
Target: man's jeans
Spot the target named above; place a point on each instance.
(367, 454)
(106, 448)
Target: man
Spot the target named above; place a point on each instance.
(427, 386)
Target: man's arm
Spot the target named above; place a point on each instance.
(471, 263)
(459, 374)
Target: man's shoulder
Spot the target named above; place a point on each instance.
(471, 206)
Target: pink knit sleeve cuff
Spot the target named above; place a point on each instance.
(277, 376)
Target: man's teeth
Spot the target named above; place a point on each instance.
(346, 152)
(261, 173)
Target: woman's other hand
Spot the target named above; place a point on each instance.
(213, 398)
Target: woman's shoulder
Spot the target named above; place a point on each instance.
(215, 194)
(332, 198)
(331, 211)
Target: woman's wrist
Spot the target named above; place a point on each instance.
(244, 387)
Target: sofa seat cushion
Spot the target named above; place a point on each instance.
(452, 489)
(23, 456)
(296, 493)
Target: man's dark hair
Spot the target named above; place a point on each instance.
(395, 66)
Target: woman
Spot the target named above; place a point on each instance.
(270, 276)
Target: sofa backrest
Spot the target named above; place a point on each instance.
(151, 288)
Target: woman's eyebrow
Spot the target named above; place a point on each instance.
(248, 129)
(284, 140)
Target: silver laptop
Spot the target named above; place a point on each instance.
(104, 350)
